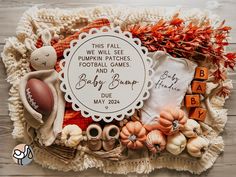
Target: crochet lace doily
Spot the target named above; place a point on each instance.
(15, 58)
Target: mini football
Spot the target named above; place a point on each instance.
(39, 96)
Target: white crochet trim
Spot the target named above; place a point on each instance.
(183, 162)
(57, 21)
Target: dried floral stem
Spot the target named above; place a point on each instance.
(188, 39)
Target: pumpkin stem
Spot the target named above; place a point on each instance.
(158, 148)
(175, 124)
(195, 131)
(132, 138)
(203, 150)
(68, 136)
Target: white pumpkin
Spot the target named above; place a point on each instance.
(176, 143)
(191, 129)
(196, 147)
(71, 135)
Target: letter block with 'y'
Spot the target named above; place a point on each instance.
(198, 114)
(192, 101)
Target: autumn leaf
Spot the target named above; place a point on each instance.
(195, 40)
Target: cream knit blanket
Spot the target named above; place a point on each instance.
(15, 58)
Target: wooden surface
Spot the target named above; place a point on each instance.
(10, 12)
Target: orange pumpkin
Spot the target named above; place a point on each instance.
(156, 141)
(171, 120)
(133, 135)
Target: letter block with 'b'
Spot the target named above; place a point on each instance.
(201, 73)
(192, 101)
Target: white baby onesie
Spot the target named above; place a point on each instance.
(171, 79)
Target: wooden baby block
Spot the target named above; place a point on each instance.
(201, 73)
(198, 87)
(192, 101)
(198, 114)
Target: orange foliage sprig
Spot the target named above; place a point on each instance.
(189, 39)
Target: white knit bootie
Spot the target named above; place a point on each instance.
(110, 135)
(94, 135)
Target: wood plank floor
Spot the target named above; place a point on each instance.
(10, 12)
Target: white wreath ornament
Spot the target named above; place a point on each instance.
(126, 112)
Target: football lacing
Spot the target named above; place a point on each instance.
(30, 99)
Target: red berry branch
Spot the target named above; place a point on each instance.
(195, 40)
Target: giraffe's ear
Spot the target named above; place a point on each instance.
(46, 37)
(29, 44)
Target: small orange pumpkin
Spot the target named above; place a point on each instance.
(171, 120)
(133, 135)
(156, 141)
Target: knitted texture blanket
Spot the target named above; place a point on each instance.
(65, 22)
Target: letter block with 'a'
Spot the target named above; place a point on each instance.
(192, 101)
(198, 87)
(197, 114)
(201, 73)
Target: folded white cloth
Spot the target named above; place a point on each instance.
(172, 76)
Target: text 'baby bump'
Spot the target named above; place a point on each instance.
(98, 83)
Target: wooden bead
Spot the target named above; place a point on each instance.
(201, 73)
(198, 87)
(192, 101)
(198, 114)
